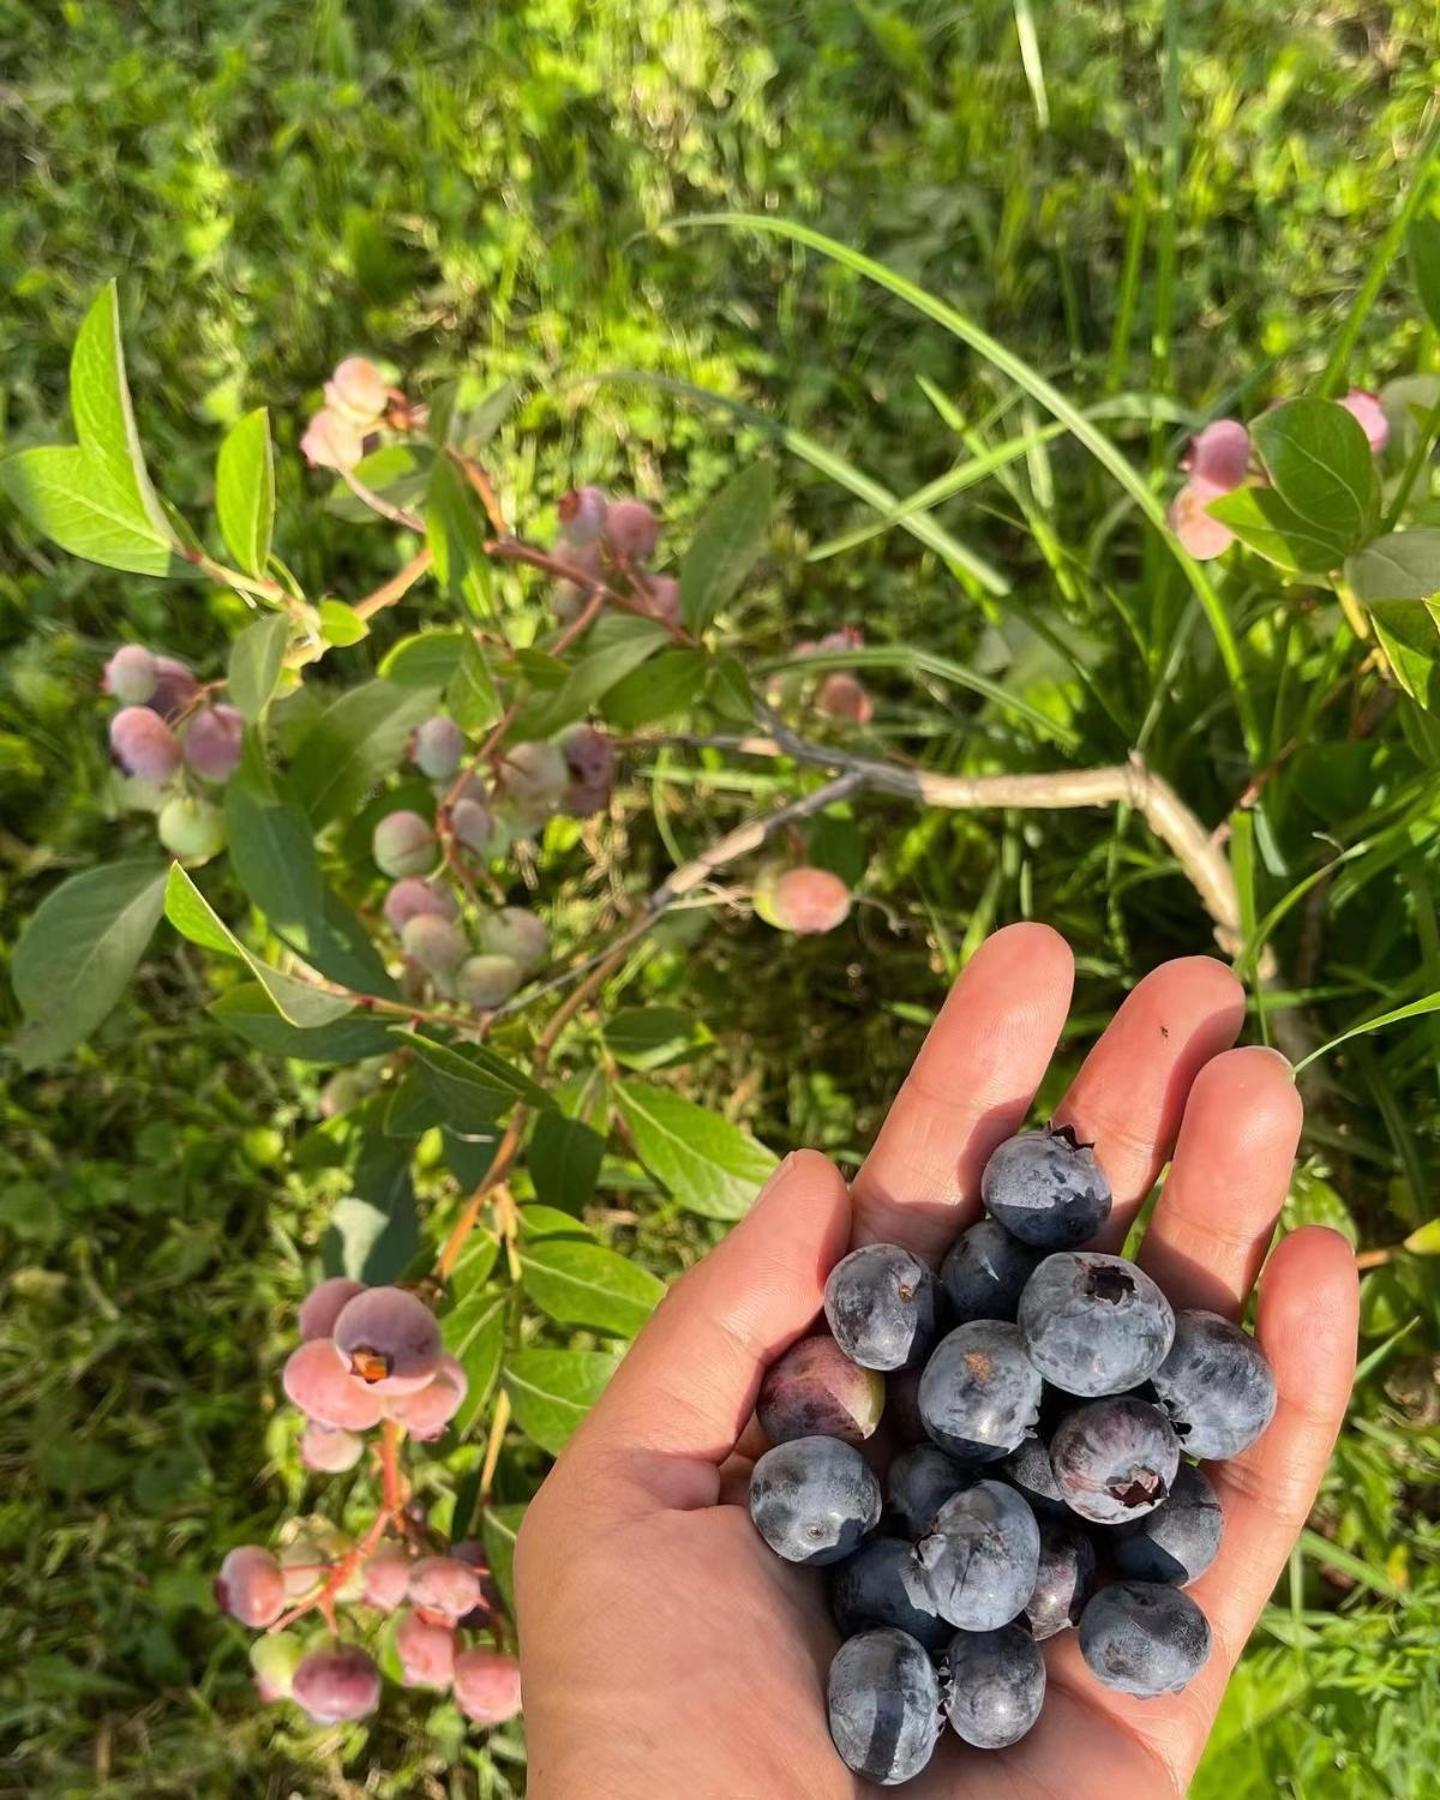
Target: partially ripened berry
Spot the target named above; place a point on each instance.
(275, 1658)
(436, 747)
(250, 1586)
(880, 1306)
(389, 1339)
(409, 898)
(426, 1651)
(332, 440)
(813, 1499)
(1114, 1459)
(473, 825)
(485, 982)
(443, 1588)
(143, 744)
(438, 945)
(570, 596)
(191, 829)
(631, 530)
(336, 1685)
(1046, 1189)
(1180, 1539)
(403, 844)
(590, 758)
(842, 696)
(662, 598)
(175, 687)
(814, 1390)
(1094, 1324)
(582, 515)
(1144, 1638)
(212, 741)
(1215, 1386)
(883, 1697)
(516, 932)
(385, 1579)
(806, 901)
(358, 390)
(980, 1556)
(328, 1451)
(130, 675)
(881, 1584)
(487, 1686)
(996, 1686)
(980, 1393)
(426, 1413)
(317, 1380)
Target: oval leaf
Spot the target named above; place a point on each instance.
(256, 658)
(727, 542)
(245, 491)
(357, 739)
(1319, 462)
(578, 1283)
(552, 1390)
(708, 1164)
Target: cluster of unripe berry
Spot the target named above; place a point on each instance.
(169, 737)
(611, 542)
(1048, 1397)
(357, 401)
(367, 1355)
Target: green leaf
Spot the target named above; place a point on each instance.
(664, 687)
(537, 1221)
(78, 950)
(245, 491)
(1409, 634)
(475, 1266)
(357, 739)
(256, 659)
(1417, 1009)
(428, 659)
(457, 542)
(104, 418)
(67, 496)
(499, 1528)
(1422, 242)
(473, 1086)
(412, 1107)
(578, 1283)
(373, 1233)
(194, 918)
(272, 851)
(564, 1160)
(1402, 565)
(474, 1334)
(249, 1010)
(1319, 462)
(709, 1165)
(632, 641)
(472, 698)
(552, 1390)
(341, 625)
(645, 1037)
(1426, 1240)
(727, 541)
(1260, 518)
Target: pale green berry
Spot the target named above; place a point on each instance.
(193, 830)
(403, 844)
(437, 944)
(487, 981)
(515, 932)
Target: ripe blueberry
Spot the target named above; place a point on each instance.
(880, 1306)
(389, 1340)
(1046, 1189)
(1115, 1459)
(985, 1272)
(980, 1556)
(884, 1703)
(1144, 1638)
(1094, 1324)
(813, 1499)
(1062, 1582)
(1215, 1385)
(980, 1393)
(1179, 1540)
(881, 1585)
(919, 1482)
(996, 1686)
(1030, 1471)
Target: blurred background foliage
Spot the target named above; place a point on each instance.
(483, 189)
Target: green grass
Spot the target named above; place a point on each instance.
(1174, 205)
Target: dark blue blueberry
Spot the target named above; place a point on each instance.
(1094, 1324)
(880, 1305)
(1115, 1459)
(980, 1393)
(814, 1390)
(1063, 1581)
(995, 1686)
(981, 1556)
(1029, 1469)
(919, 1483)
(1046, 1189)
(1143, 1638)
(813, 1499)
(881, 1584)
(884, 1699)
(985, 1271)
(1216, 1386)
(1179, 1540)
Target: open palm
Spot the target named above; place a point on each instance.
(666, 1652)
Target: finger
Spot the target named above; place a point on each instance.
(1130, 1093)
(1213, 1220)
(968, 1091)
(680, 1400)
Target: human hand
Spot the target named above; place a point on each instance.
(666, 1652)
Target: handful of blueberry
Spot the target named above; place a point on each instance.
(1059, 1396)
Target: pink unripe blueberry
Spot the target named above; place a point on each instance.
(532, 780)
(487, 1686)
(426, 1414)
(175, 687)
(323, 1305)
(663, 596)
(472, 824)
(443, 1588)
(805, 900)
(582, 515)
(1200, 536)
(570, 596)
(1220, 454)
(317, 1379)
(143, 744)
(426, 1651)
(841, 696)
(412, 897)
(357, 391)
(336, 1685)
(590, 757)
(332, 441)
(250, 1586)
(515, 932)
(814, 1390)
(436, 747)
(1365, 408)
(191, 829)
(487, 981)
(275, 1658)
(130, 675)
(329, 1452)
(437, 944)
(212, 741)
(386, 1579)
(389, 1339)
(403, 844)
(631, 530)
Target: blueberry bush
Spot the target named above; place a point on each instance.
(520, 699)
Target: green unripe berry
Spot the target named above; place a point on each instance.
(437, 944)
(487, 981)
(275, 1658)
(193, 830)
(516, 933)
(131, 675)
(532, 782)
(403, 844)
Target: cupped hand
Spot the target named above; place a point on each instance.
(668, 1655)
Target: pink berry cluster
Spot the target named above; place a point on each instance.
(170, 736)
(369, 1354)
(611, 541)
(1218, 460)
(346, 428)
